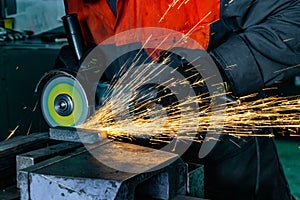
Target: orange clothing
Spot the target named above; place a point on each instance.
(190, 17)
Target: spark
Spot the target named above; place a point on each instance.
(235, 143)
(120, 118)
(183, 2)
(12, 133)
(35, 106)
(29, 129)
(288, 68)
(230, 67)
(167, 11)
(270, 88)
(192, 29)
(172, 5)
(289, 39)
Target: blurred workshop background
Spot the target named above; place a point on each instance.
(31, 36)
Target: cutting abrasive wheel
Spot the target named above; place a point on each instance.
(64, 102)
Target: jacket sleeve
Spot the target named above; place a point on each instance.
(263, 46)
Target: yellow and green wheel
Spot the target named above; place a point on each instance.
(64, 102)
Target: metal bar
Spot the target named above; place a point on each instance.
(71, 134)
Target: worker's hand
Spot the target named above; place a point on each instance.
(150, 95)
(149, 98)
(177, 59)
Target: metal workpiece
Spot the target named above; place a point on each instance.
(72, 134)
(84, 175)
(33, 157)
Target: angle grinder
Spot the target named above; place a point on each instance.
(64, 101)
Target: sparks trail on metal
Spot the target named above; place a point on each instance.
(242, 117)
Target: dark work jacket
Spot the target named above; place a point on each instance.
(257, 42)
